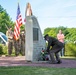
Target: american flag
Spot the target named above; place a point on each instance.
(17, 24)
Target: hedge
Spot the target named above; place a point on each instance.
(3, 49)
(70, 49)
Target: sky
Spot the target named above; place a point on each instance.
(49, 13)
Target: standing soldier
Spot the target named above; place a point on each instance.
(9, 35)
(22, 37)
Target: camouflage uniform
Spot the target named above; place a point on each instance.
(17, 46)
(22, 37)
(9, 34)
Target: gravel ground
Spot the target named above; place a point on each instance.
(20, 61)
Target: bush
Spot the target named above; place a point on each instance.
(5, 50)
(1, 49)
(70, 49)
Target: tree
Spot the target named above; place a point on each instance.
(46, 30)
(5, 20)
(70, 33)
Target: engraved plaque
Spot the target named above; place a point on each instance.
(35, 34)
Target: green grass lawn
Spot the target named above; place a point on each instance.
(23, 70)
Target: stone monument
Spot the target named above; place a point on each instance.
(34, 39)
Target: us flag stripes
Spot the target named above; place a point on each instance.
(18, 24)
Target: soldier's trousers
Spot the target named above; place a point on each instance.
(54, 55)
(22, 51)
(10, 47)
(17, 47)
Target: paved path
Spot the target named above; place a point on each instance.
(20, 61)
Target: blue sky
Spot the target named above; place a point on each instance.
(50, 13)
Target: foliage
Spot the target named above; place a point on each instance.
(70, 38)
(5, 48)
(70, 49)
(70, 33)
(46, 30)
(1, 49)
(52, 32)
(22, 27)
(5, 20)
